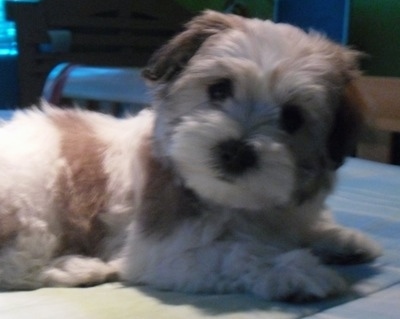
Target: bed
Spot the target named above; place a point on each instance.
(367, 197)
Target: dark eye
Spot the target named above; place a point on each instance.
(292, 118)
(221, 90)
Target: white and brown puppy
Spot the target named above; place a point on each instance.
(220, 188)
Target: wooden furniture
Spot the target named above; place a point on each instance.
(382, 95)
(89, 32)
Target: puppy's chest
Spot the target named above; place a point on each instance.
(278, 227)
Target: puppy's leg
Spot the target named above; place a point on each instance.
(27, 262)
(23, 257)
(335, 244)
(231, 267)
(294, 276)
(77, 270)
(340, 245)
(288, 276)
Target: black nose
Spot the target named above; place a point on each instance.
(234, 157)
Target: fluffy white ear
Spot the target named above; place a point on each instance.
(172, 58)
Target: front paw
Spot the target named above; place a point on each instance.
(345, 246)
(297, 276)
(76, 270)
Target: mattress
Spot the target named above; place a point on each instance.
(367, 197)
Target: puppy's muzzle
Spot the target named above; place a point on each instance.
(234, 157)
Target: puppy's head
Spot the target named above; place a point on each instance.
(252, 114)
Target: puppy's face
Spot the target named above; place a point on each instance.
(252, 114)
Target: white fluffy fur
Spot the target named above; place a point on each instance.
(190, 151)
(248, 232)
(30, 165)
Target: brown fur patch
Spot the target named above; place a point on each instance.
(170, 60)
(349, 119)
(82, 185)
(165, 202)
(9, 225)
(276, 75)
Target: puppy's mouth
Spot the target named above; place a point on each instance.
(233, 158)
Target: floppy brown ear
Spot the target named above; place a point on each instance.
(171, 59)
(349, 120)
